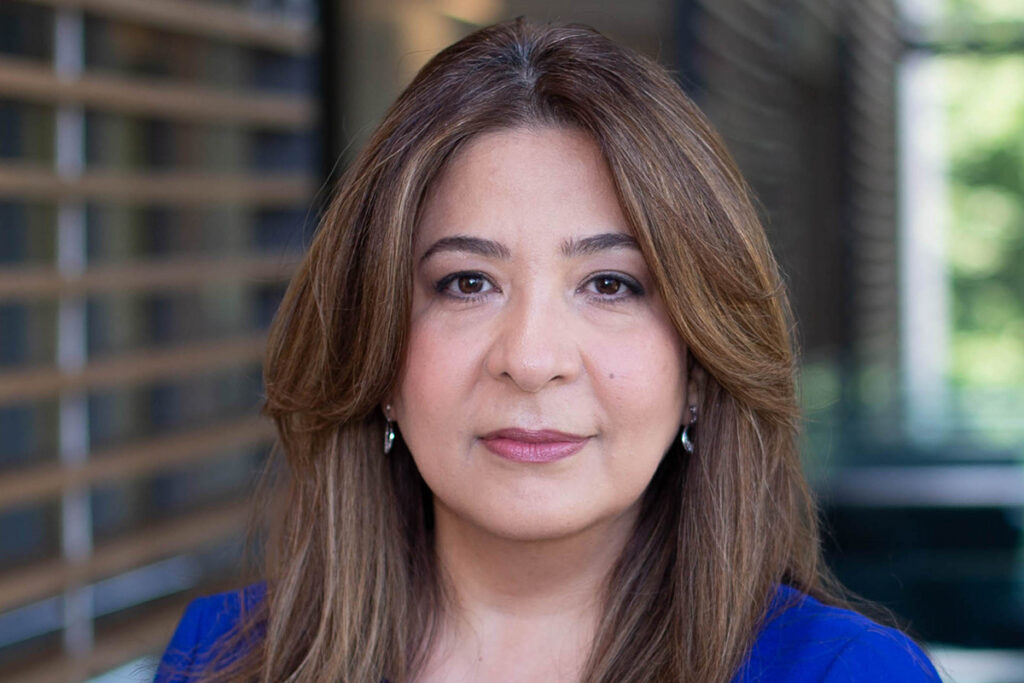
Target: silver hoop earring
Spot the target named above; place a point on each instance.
(685, 438)
(389, 430)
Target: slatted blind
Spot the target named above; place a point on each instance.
(158, 159)
(804, 93)
(768, 75)
(874, 48)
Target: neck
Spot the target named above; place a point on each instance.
(525, 606)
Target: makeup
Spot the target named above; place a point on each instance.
(533, 446)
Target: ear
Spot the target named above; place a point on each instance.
(696, 381)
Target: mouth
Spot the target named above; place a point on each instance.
(534, 446)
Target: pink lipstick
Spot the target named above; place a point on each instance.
(524, 445)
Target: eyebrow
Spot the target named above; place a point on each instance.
(570, 248)
(473, 245)
(598, 243)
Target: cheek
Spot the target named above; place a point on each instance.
(641, 373)
(641, 389)
(437, 373)
(433, 403)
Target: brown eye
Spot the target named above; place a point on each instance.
(470, 284)
(614, 288)
(464, 286)
(607, 285)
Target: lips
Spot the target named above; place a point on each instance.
(534, 446)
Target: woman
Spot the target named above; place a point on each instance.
(544, 285)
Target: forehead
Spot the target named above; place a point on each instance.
(526, 182)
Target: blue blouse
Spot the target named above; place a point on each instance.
(807, 643)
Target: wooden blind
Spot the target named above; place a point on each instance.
(768, 75)
(804, 93)
(158, 160)
(875, 47)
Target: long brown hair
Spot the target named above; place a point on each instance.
(354, 594)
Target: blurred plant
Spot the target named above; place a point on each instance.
(985, 119)
(982, 11)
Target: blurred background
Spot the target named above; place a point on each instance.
(162, 165)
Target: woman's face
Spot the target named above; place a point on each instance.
(543, 381)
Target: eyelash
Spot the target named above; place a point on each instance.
(634, 288)
(442, 286)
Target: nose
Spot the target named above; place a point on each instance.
(534, 345)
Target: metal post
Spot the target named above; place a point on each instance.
(76, 517)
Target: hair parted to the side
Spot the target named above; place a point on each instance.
(354, 594)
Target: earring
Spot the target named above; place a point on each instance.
(685, 438)
(389, 430)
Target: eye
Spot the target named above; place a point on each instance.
(605, 284)
(613, 287)
(468, 286)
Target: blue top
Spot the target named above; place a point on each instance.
(808, 642)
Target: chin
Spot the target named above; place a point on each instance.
(560, 519)
(535, 528)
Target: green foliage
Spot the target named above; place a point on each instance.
(985, 118)
(982, 11)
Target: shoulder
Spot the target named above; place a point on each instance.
(804, 641)
(205, 622)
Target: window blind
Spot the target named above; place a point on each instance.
(158, 161)
(804, 93)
